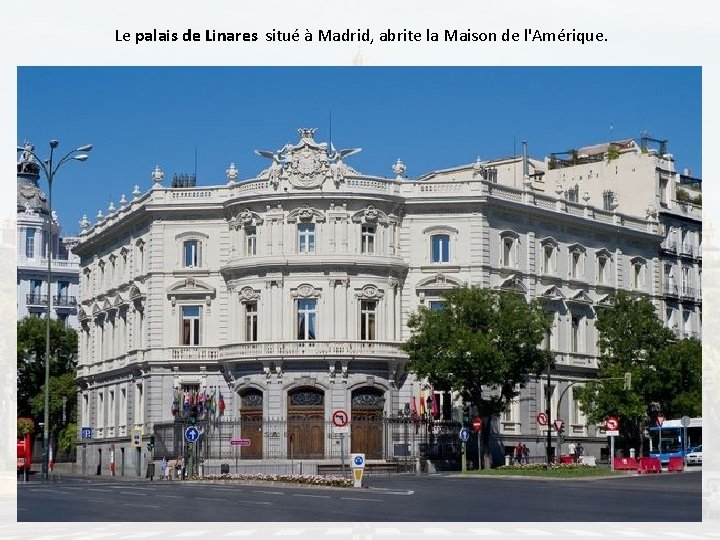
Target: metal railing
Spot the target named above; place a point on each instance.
(36, 299)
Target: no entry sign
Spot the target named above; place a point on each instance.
(340, 418)
(476, 424)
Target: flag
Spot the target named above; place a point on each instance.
(414, 406)
(175, 403)
(435, 405)
(213, 404)
(221, 404)
(186, 401)
(422, 402)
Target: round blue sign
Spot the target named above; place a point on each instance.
(192, 434)
(359, 460)
(464, 435)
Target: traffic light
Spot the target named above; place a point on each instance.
(466, 415)
(193, 414)
(628, 381)
(151, 443)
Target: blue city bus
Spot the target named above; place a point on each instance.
(666, 441)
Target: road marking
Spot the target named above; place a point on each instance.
(170, 496)
(386, 531)
(290, 532)
(209, 499)
(144, 534)
(360, 499)
(200, 534)
(254, 502)
(269, 492)
(314, 496)
(486, 532)
(535, 532)
(582, 533)
(437, 532)
(240, 533)
(97, 489)
(339, 532)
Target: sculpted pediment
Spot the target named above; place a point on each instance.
(191, 288)
(306, 164)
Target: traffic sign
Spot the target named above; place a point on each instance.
(136, 439)
(357, 461)
(542, 418)
(340, 418)
(558, 425)
(464, 435)
(685, 421)
(192, 434)
(660, 419)
(86, 433)
(240, 442)
(477, 424)
(612, 423)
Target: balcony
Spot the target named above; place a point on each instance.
(670, 289)
(669, 247)
(299, 349)
(64, 301)
(36, 299)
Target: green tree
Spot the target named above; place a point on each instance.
(63, 403)
(31, 333)
(482, 344)
(665, 373)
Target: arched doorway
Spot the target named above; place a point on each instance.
(366, 424)
(251, 423)
(306, 423)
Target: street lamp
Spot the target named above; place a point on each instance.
(49, 170)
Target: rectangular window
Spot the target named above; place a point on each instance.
(367, 244)
(191, 254)
(575, 333)
(508, 245)
(100, 412)
(368, 315)
(571, 195)
(440, 248)
(306, 238)
(608, 197)
(306, 319)
(548, 267)
(602, 266)
(123, 407)
(638, 278)
(251, 327)
(251, 241)
(190, 325)
(30, 242)
(575, 264)
(111, 408)
(63, 289)
(36, 288)
(139, 404)
(436, 305)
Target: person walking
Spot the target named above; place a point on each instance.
(571, 450)
(579, 452)
(526, 454)
(164, 468)
(518, 453)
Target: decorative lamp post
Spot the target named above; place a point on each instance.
(50, 169)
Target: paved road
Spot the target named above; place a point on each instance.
(674, 497)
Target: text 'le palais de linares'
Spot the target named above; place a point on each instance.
(363, 36)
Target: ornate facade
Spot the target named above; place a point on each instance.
(32, 226)
(288, 295)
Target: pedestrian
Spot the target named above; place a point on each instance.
(526, 454)
(518, 453)
(178, 468)
(579, 452)
(571, 450)
(164, 468)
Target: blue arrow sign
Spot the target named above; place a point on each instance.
(359, 460)
(86, 433)
(192, 434)
(464, 435)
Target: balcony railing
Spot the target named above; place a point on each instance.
(259, 349)
(36, 299)
(64, 301)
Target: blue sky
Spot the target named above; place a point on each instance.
(431, 118)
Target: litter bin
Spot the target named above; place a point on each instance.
(224, 468)
(632, 452)
(150, 471)
(507, 460)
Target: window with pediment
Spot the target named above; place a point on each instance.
(638, 273)
(576, 261)
(603, 267)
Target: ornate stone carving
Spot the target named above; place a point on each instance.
(245, 218)
(370, 292)
(305, 291)
(232, 174)
(371, 214)
(157, 176)
(399, 169)
(248, 294)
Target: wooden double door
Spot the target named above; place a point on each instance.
(306, 424)
(367, 423)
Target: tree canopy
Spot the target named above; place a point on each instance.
(31, 357)
(666, 373)
(482, 344)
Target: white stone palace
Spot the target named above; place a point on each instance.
(288, 293)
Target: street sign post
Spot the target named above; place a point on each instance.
(86, 433)
(357, 462)
(240, 442)
(477, 428)
(685, 422)
(611, 430)
(340, 420)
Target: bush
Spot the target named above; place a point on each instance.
(309, 479)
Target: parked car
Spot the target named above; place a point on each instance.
(694, 457)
